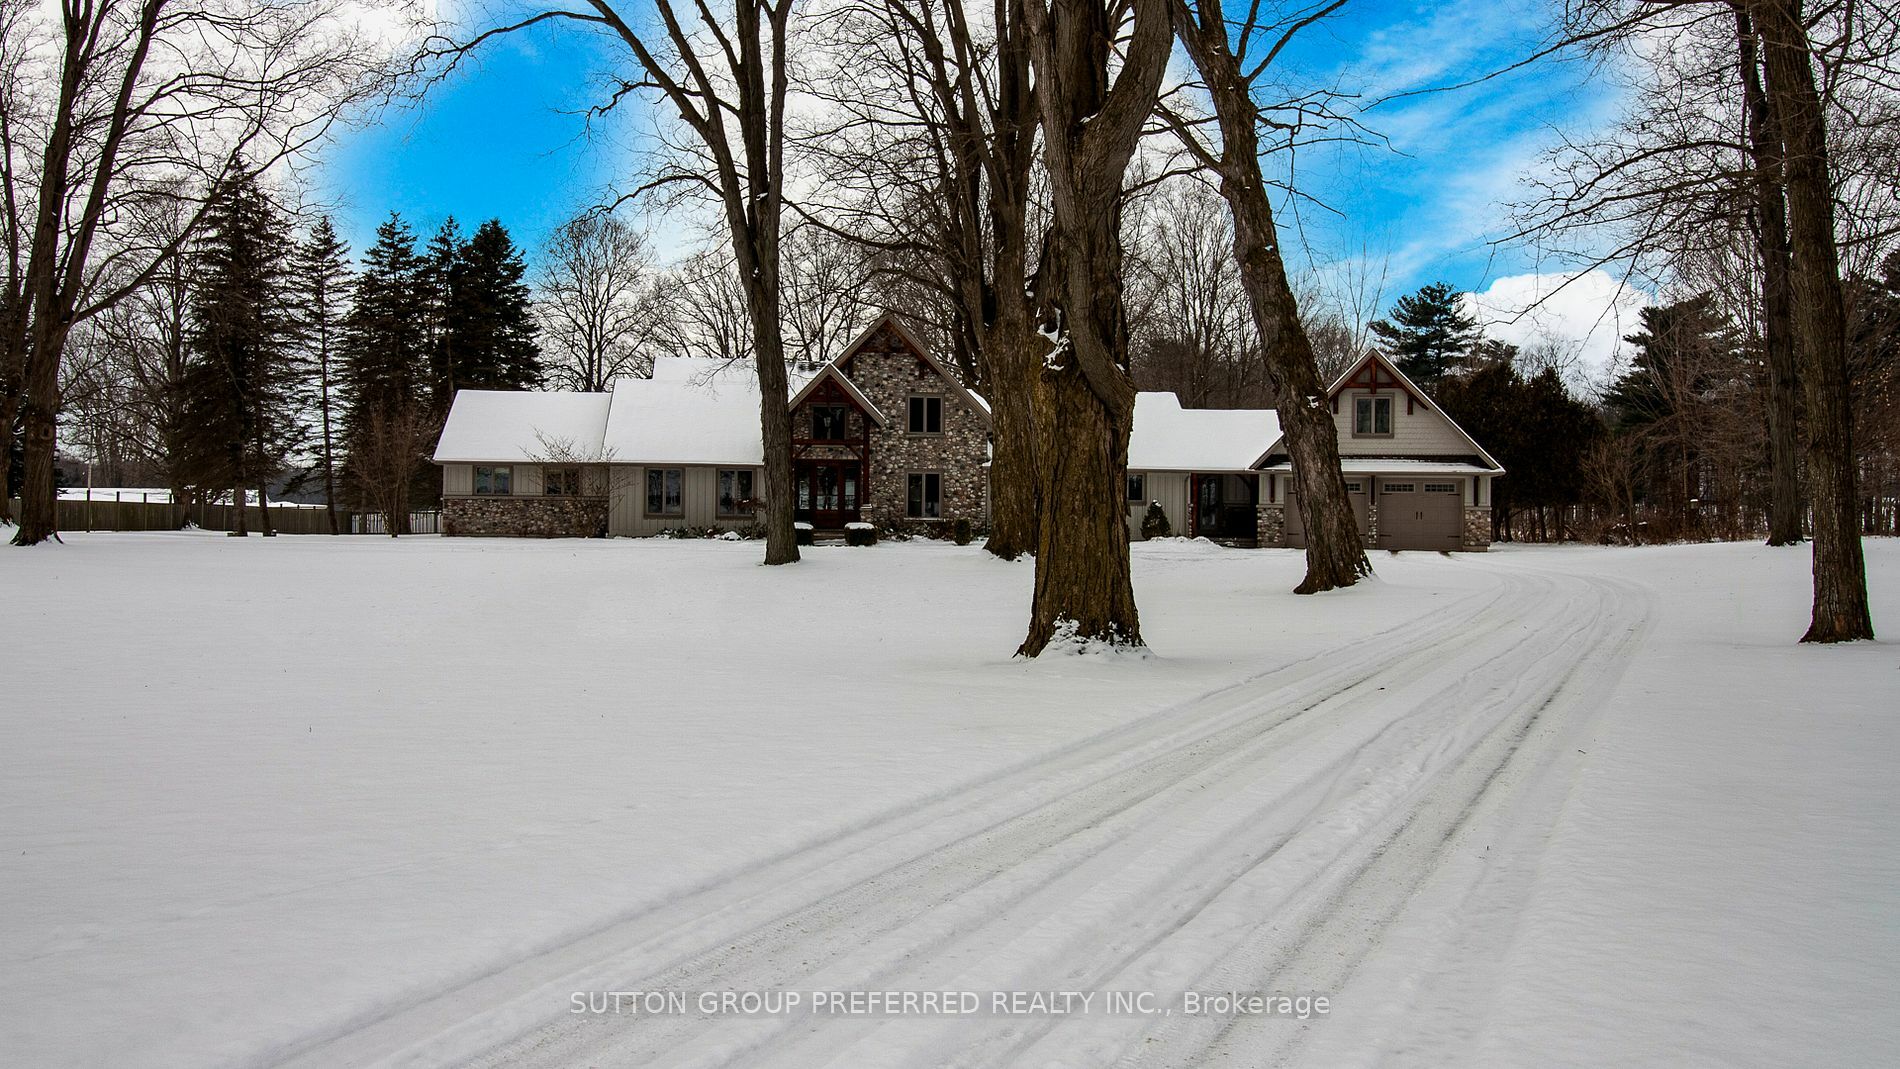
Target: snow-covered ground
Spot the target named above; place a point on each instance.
(360, 801)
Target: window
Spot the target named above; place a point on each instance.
(828, 423)
(1441, 488)
(1398, 488)
(926, 496)
(663, 491)
(1372, 416)
(1137, 487)
(1355, 488)
(561, 482)
(735, 491)
(926, 415)
(494, 480)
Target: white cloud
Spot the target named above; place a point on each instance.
(1587, 315)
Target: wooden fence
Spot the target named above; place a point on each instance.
(108, 514)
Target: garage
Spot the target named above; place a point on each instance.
(1296, 526)
(1420, 514)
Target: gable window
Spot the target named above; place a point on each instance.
(1372, 416)
(1137, 487)
(828, 423)
(926, 415)
(561, 482)
(735, 491)
(494, 480)
(926, 496)
(663, 491)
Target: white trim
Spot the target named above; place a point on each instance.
(1353, 369)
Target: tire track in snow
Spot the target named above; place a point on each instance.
(956, 879)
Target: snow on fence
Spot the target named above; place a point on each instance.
(131, 514)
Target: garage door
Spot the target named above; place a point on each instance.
(1296, 527)
(1420, 515)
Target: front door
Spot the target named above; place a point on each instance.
(828, 492)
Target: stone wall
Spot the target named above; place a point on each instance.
(525, 517)
(1272, 525)
(890, 373)
(1477, 528)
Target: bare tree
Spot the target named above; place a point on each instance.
(596, 301)
(1232, 58)
(146, 99)
(1093, 112)
(1197, 338)
(727, 76)
(1820, 322)
(701, 309)
(388, 450)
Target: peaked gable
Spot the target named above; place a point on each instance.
(890, 322)
(1374, 373)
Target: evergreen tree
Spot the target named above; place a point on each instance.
(1429, 333)
(1680, 350)
(321, 273)
(384, 334)
(435, 280)
(385, 365)
(1535, 429)
(238, 384)
(488, 335)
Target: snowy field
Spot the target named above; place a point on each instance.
(328, 802)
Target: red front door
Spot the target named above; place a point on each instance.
(828, 492)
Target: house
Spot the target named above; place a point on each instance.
(883, 433)
(1415, 478)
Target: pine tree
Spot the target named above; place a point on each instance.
(1429, 333)
(238, 384)
(321, 273)
(385, 367)
(435, 281)
(488, 325)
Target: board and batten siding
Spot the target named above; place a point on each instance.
(458, 480)
(1420, 432)
(699, 500)
(1168, 487)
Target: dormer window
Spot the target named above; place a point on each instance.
(1372, 417)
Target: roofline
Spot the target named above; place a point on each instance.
(831, 369)
(1404, 379)
(970, 397)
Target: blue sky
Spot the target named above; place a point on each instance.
(505, 138)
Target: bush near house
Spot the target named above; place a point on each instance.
(1155, 523)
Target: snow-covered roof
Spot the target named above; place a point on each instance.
(1167, 437)
(689, 412)
(503, 426)
(1397, 466)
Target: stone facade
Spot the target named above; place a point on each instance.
(889, 373)
(1477, 528)
(525, 516)
(1272, 525)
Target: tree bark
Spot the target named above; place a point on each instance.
(1840, 611)
(1084, 591)
(1015, 375)
(1335, 552)
(1771, 236)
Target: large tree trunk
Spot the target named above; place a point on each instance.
(1771, 238)
(1012, 358)
(1335, 553)
(1820, 320)
(9, 412)
(1083, 589)
(775, 424)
